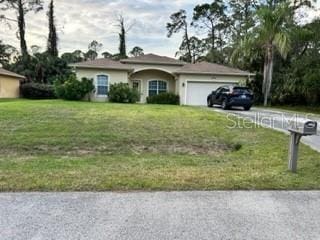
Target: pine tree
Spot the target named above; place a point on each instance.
(22, 7)
(52, 38)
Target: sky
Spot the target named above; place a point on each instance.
(81, 21)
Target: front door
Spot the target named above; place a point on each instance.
(136, 84)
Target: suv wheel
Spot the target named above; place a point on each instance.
(224, 104)
(247, 108)
(209, 104)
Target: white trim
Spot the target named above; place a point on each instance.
(167, 82)
(96, 84)
(153, 68)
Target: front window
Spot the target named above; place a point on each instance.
(156, 87)
(102, 85)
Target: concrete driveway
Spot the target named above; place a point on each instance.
(161, 215)
(276, 119)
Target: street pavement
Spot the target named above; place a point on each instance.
(194, 215)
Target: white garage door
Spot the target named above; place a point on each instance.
(197, 92)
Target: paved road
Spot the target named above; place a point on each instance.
(160, 215)
(279, 120)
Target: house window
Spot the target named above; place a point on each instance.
(102, 85)
(156, 87)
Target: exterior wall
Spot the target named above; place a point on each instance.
(9, 87)
(185, 78)
(115, 76)
(145, 76)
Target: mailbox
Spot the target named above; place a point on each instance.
(298, 130)
(305, 129)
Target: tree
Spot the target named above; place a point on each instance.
(179, 23)
(213, 18)
(22, 7)
(52, 38)
(243, 13)
(93, 48)
(107, 55)
(6, 53)
(123, 31)
(136, 52)
(197, 48)
(270, 35)
(74, 57)
(122, 39)
(91, 55)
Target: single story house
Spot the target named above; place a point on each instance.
(9, 84)
(151, 74)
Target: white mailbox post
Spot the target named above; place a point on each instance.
(297, 131)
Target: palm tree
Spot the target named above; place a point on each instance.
(270, 35)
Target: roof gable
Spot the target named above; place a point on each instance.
(153, 59)
(10, 74)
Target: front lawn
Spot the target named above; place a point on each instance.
(80, 146)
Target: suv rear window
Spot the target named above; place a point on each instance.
(241, 90)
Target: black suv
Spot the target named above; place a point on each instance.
(228, 96)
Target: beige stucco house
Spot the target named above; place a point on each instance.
(9, 84)
(151, 74)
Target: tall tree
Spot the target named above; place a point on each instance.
(136, 52)
(93, 48)
(179, 23)
(123, 31)
(197, 48)
(270, 35)
(213, 18)
(122, 39)
(242, 16)
(52, 38)
(22, 7)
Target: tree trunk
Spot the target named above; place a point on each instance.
(188, 43)
(268, 72)
(212, 37)
(21, 25)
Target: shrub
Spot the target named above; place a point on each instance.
(164, 98)
(122, 93)
(37, 91)
(72, 89)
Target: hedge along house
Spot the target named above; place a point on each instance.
(151, 74)
(9, 84)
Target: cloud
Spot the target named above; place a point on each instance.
(81, 21)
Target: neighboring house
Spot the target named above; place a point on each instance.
(9, 84)
(151, 74)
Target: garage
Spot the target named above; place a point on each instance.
(197, 92)
(9, 84)
(198, 80)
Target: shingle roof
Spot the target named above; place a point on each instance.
(153, 58)
(10, 74)
(211, 68)
(102, 63)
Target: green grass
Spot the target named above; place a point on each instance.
(79, 146)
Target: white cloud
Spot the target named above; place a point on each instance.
(81, 21)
